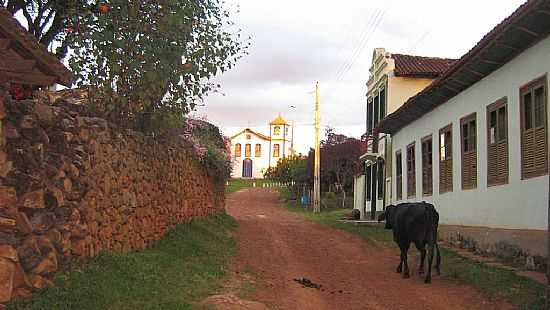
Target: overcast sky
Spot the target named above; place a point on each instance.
(298, 42)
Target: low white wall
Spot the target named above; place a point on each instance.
(359, 193)
(520, 204)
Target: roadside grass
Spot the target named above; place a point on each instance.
(495, 282)
(238, 184)
(177, 271)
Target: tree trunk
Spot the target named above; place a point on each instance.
(343, 197)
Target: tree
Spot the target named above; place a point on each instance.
(332, 138)
(339, 161)
(48, 20)
(150, 63)
(291, 170)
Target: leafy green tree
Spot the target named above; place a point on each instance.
(293, 171)
(151, 61)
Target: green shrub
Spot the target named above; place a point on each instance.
(330, 195)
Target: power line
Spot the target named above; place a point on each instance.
(363, 44)
(422, 37)
(363, 32)
(376, 21)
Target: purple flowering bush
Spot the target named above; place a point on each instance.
(209, 147)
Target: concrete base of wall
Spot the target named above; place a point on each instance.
(529, 246)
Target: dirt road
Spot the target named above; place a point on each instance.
(281, 246)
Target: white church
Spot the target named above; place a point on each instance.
(254, 152)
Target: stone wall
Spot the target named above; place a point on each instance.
(72, 186)
(520, 246)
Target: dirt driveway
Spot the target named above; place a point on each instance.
(281, 246)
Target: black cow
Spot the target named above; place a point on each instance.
(418, 223)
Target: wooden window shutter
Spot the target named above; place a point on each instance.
(368, 180)
(398, 175)
(446, 159)
(497, 143)
(238, 150)
(381, 183)
(468, 135)
(534, 141)
(276, 150)
(427, 167)
(411, 171)
(370, 116)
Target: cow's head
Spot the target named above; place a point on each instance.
(388, 215)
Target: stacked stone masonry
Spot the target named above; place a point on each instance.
(72, 186)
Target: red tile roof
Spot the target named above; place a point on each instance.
(529, 24)
(248, 130)
(16, 38)
(419, 66)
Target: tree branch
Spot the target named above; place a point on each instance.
(28, 17)
(54, 30)
(37, 19)
(46, 20)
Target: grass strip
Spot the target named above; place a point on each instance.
(238, 184)
(178, 270)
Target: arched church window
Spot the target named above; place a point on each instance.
(247, 150)
(258, 150)
(238, 150)
(277, 130)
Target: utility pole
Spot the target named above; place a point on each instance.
(292, 140)
(292, 136)
(548, 248)
(548, 240)
(317, 169)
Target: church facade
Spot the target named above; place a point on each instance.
(253, 152)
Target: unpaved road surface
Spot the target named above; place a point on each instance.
(280, 246)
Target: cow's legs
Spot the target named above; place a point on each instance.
(438, 260)
(422, 248)
(430, 260)
(399, 268)
(404, 249)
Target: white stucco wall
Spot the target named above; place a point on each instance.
(520, 204)
(259, 164)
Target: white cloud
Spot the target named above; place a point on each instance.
(296, 43)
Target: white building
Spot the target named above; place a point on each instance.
(393, 78)
(253, 152)
(475, 142)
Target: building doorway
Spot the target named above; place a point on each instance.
(247, 168)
